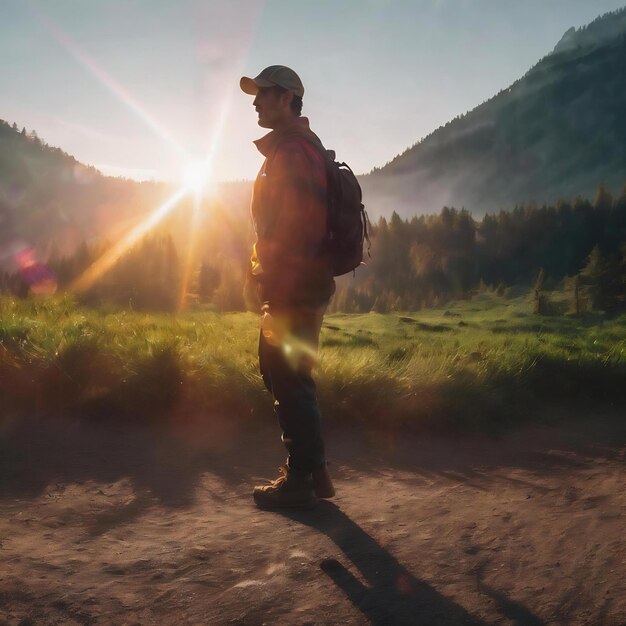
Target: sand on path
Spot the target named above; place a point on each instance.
(102, 525)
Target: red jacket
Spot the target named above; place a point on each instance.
(289, 210)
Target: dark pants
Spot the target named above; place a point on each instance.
(287, 373)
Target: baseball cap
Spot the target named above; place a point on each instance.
(273, 75)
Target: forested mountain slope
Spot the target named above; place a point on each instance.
(557, 132)
(47, 196)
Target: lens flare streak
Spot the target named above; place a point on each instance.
(109, 258)
(198, 178)
(108, 81)
(191, 254)
(205, 169)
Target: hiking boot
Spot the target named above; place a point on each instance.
(322, 483)
(289, 490)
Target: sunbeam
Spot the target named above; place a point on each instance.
(197, 181)
(109, 258)
(106, 79)
(199, 178)
(192, 245)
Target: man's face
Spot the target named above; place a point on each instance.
(272, 107)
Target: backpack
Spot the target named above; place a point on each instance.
(347, 219)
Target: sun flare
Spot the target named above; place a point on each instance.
(196, 176)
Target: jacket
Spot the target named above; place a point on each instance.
(289, 211)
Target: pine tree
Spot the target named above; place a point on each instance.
(602, 279)
(603, 200)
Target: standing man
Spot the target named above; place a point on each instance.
(291, 272)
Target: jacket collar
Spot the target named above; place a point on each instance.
(266, 144)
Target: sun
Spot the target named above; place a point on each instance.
(196, 177)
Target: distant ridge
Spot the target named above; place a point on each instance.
(51, 202)
(602, 30)
(558, 131)
(47, 196)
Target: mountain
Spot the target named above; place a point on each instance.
(52, 203)
(558, 131)
(602, 30)
(47, 196)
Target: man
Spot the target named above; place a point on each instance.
(291, 272)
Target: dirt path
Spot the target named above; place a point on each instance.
(99, 526)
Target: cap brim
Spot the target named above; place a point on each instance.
(251, 85)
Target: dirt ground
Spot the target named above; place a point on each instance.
(110, 525)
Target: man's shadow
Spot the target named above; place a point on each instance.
(392, 595)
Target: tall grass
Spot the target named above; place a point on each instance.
(482, 364)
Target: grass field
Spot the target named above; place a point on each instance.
(483, 364)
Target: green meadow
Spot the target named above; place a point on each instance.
(485, 364)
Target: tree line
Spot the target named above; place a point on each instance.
(429, 260)
(415, 263)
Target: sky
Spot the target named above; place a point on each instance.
(140, 88)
